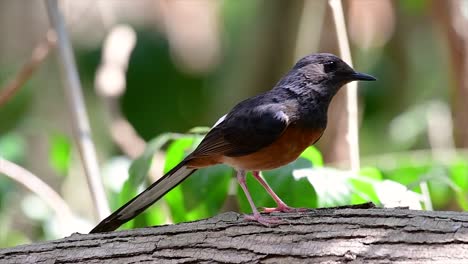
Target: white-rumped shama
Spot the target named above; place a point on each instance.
(260, 133)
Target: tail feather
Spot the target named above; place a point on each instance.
(145, 199)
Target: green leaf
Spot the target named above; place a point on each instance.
(440, 186)
(203, 193)
(371, 173)
(155, 215)
(393, 194)
(137, 175)
(140, 167)
(462, 201)
(440, 193)
(364, 186)
(407, 173)
(128, 192)
(313, 155)
(175, 153)
(60, 153)
(459, 174)
(332, 185)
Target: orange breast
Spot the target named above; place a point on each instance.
(283, 151)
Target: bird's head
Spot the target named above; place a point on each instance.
(325, 72)
(328, 68)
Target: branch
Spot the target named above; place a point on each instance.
(45, 192)
(80, 122)
(39, 54)
(351, 88)
(332, 235)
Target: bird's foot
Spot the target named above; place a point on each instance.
(266, 221)
(284, 209)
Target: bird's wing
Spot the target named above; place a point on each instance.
(245, 130)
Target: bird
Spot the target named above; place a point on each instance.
(263, 132)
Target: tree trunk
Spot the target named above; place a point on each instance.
(452, 19)
(334, 235)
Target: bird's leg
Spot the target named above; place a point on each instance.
(281, 206)
(256, 215)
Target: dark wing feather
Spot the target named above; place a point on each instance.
(245, 130)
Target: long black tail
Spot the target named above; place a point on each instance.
(145, 199)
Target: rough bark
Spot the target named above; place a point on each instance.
(336, 235)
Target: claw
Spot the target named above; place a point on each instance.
(284, 209)
(266, 221)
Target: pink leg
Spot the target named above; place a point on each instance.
(256, 215)
(281, 206)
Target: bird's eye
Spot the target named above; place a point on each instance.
(329, 66)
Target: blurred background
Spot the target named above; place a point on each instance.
(153, 70)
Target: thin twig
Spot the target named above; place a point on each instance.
(45, 192)
(351, 88)
(80, 122)
(39, 54)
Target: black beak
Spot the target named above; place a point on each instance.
(357, 76)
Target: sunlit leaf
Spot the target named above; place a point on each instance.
(371, 173)
(331, 185)
(394, 194)
(203, 193)
(175, 153)
(313, 155)
(459, 174)
(177, 150)
(459, 177)
(60, 153)
(155, 215)
(462, 201)
(363, 186)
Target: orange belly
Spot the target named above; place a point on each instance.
(284, 150)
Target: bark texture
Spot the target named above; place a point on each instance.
(336, 235)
